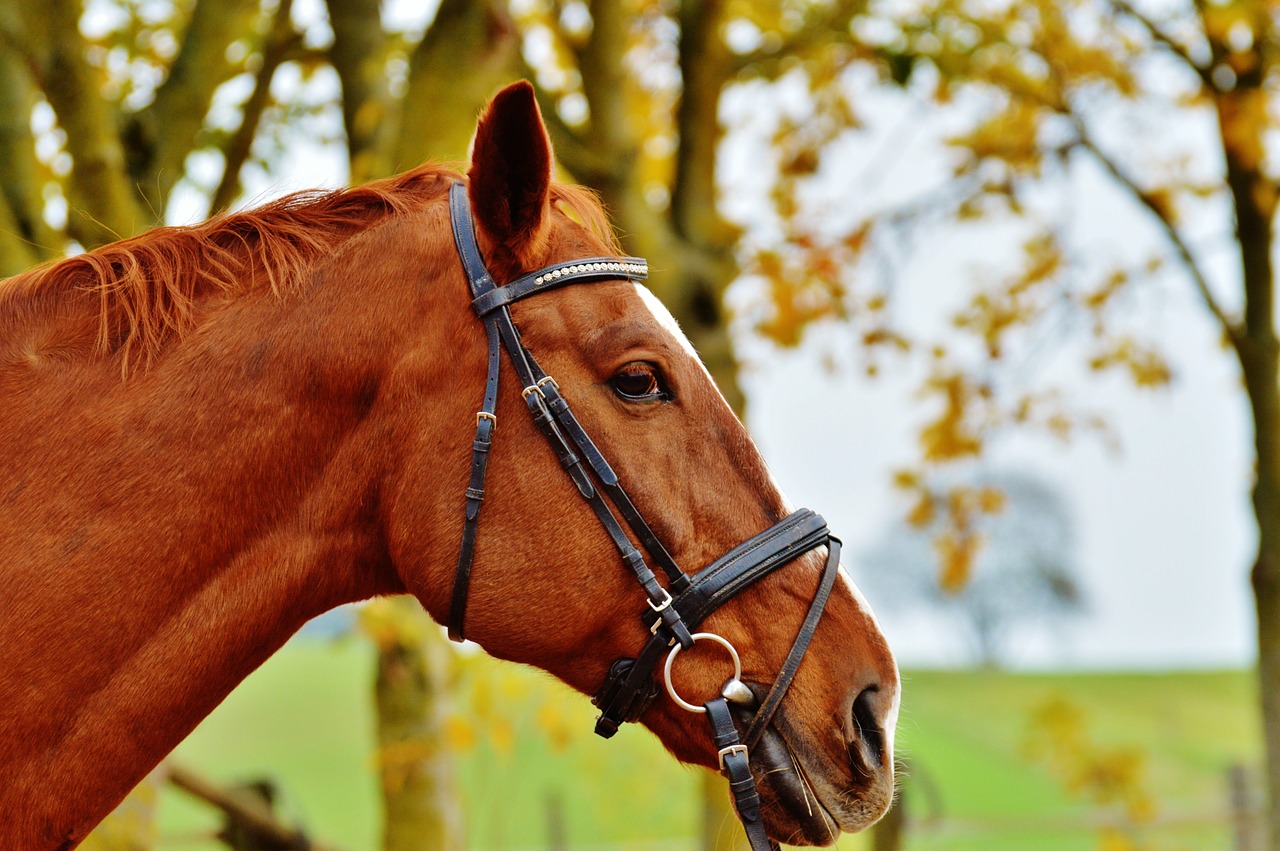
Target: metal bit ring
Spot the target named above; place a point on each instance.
(671, 657)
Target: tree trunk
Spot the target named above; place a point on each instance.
(1254, 201)
(418, 783)
(1261, 366)
(1261, 375)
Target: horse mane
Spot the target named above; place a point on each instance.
(147, 286)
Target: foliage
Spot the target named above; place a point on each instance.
(1112, 778)
(1175, 106)
(1013, 569)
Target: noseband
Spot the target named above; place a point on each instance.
(675, 611)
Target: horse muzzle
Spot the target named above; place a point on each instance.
(814, 785)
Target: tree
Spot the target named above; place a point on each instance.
(1023, 573)
(1176, 105)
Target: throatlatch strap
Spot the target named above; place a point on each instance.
(735, 766)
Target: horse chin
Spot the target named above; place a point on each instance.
(809, 800)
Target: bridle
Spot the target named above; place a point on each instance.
(674, 612)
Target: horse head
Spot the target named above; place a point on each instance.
(547, 586)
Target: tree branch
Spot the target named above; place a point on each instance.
(1229, 327)
(20, 187)
(277, 47)
(602, 64)
(579, 159)
(164, 133)
(470, 49)
(247, 813)
(104, 206)
(1163, 38)
(705, 68)
(359, 56)
(832, 26)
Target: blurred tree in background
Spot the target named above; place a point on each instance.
(1023, 577)
(1173, 108)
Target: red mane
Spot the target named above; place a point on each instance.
(145, 288)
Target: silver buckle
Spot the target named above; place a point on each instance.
(724, 752)
(666, 601)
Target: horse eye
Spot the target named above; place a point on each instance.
(638, 382)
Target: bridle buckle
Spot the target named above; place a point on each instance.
(666, 601)
(729, 751)
(485, 415)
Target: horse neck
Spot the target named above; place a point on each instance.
(166, 534)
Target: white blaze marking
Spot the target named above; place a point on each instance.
(666, 320)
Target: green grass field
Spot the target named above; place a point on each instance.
(304, 720)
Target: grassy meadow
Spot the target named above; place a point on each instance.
(530, 767)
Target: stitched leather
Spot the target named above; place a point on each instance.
(497, 321)
(710, 587)
(791, 665)
(559, 275)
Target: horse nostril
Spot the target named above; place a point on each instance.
(870, 742)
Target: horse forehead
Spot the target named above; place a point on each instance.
(664, 319)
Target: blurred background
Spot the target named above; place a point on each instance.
(991, 283)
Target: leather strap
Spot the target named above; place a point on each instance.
(491, 305)
(791, 665)
(625, 696)
(735, 766)
(629, 688)
(573, 272)
(486, 424)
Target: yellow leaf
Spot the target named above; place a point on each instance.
(923, 512)
(956, 555)
(459, 734)
(991, 500)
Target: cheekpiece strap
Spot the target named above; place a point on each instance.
(464, 237)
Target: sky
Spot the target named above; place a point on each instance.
(1162, 517)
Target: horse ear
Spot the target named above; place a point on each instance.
(510, 172)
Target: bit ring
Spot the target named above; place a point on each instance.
(671, 657)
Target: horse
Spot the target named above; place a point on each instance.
(214, 433)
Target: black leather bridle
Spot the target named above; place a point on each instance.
(674, 611)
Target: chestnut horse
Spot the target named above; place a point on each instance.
(212, 434)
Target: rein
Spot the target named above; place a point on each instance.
(674, 611)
